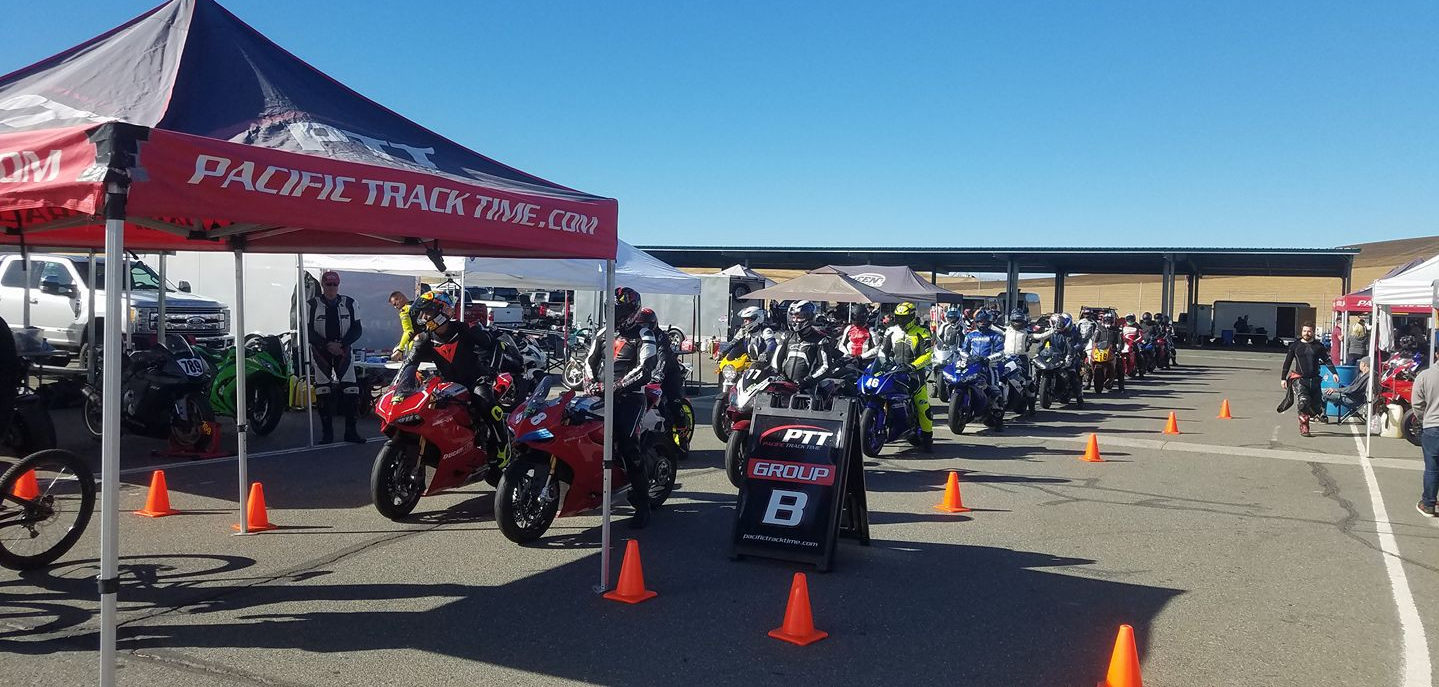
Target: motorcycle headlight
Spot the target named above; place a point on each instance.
(729, 374)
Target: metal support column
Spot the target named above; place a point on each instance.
(242, 413)
(160, 324)
(1011, 285)
(1059, 291)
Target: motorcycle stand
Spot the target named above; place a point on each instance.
(212, 450)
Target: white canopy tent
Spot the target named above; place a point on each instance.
(1416, 285)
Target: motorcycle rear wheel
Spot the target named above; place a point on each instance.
(93, 418)
(735, 458)
(719, 419)
(1412, 425)
(394, 488)
(871, 433)
(662, 474)
(193, 436)
(521, 519)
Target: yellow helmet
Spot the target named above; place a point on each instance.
(904, 314)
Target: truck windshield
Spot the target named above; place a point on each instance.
(142, 277)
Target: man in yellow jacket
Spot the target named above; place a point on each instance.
(401, 302)
(908, 342)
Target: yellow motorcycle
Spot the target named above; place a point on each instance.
(728, 372)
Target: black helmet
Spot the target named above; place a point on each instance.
(1017, 318)
(952, 314)
(1146, 317)
(858, 314)
(801, 315)
(627, 305)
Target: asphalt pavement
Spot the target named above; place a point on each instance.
(1242, 554)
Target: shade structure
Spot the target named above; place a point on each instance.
(824, 284)
(633, 268)
(185, 129)
(898, 281)
(220, 136)
(745, 273)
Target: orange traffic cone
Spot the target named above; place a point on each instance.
(952, 502)
(255, 518)
(26, 487)
(1224, 411)
(798, 627)
(1171, 427)
(1091, 451)
(1124, 663)
(157, 504)
(631, 589)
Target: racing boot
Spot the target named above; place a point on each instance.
(639, 497)
(347, 409)
(1304, 426)
(926, 441)
(327, 418)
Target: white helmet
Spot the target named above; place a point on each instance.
(751, 318)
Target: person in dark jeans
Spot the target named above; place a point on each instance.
(1305, 356)
(1426, 392)
(11, 371)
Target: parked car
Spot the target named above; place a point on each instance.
(60, 288)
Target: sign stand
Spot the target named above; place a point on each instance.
(804, 485)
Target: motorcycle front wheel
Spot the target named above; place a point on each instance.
(958, 413)
(663, 472)
(685, 433)
(526, 501)
(871, 432)
(1044, 392)
(719, 419)
(268, 398)
(734, 456)
(397, 479)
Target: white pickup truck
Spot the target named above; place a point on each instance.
(59, 301)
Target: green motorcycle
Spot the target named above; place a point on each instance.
(267, 381)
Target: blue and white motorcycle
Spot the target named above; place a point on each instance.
(886, 394)
(973, 391)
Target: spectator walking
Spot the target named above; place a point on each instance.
(1426, 405)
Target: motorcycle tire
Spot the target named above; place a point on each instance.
(266, 407)
(193, 436)
(871, 437)
(31, 428)
(82, 487)
(398, 459)
(92, 412)
(1044, 394)
(1412, 426)
(574, 374)
(958, 414)
(663, 472)
(1119, 382)
(518, 482)
(944, 391)
(735, 459)
(685, 433)
(719, 419)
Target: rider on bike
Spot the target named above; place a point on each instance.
(909, 343)
(636, 357)
(951, 330)
(669, 374)
(802, 354)
(749, 338)
(857, 338)
(463, 355)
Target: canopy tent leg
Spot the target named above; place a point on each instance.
(160, 297)
(462, 291)
(608, 331)
(25, 270)
(242, 414)
(1373, 372)
(90, 324)
(109, 582)
(302, 335)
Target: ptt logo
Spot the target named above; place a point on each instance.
(804, 435)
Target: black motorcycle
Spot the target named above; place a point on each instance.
(164, 394)
(1057, 378)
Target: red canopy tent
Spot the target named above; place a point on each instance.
(186, 129)
(1362, 302)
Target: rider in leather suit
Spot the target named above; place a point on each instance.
(749, 338)
(670, 375)
(857, 338)
(983, 342)
(910, 343)
(464, 355)
(802, 354)
(637, 356)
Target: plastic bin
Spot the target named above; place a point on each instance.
(1226, 336)
(1347, 373)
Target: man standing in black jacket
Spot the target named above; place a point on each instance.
(334, 327)
(1305, 356)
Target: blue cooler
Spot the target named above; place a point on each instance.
(1227, 336)
(1347, 373)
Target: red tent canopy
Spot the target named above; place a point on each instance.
(1362, 302)
(223, 139)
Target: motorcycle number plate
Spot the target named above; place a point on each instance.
(191, 366)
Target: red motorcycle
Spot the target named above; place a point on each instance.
(430, 431)
(1130, 353)
(556, 462)
(1396, 385)
(739, 409)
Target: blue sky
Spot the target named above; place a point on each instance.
(951, 123)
